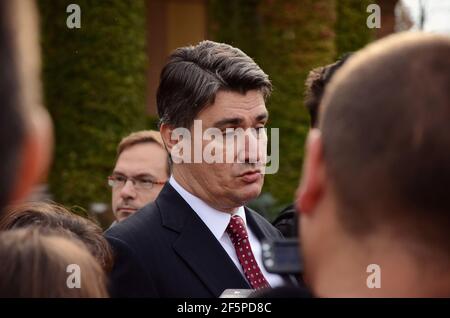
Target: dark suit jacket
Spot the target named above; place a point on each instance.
(165, 250)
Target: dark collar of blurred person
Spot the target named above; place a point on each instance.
(142, 167)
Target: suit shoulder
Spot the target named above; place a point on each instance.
(258, 217)
(263, 223)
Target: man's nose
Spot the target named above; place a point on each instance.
(128, 190)
(255, 147)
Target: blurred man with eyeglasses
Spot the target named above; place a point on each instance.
(140, 172)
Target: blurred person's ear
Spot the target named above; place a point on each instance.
(37, 144)
(313, 181)
(36, 153)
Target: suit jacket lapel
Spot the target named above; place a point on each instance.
(207, 258)
(197, 246)
(258, 229)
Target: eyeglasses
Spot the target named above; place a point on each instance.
(139, 183)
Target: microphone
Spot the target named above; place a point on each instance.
(236, 293)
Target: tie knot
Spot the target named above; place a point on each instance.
(236, 229)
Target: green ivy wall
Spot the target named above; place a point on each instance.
(94, 82)
(94, 77)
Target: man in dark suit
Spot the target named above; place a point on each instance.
(198, 239)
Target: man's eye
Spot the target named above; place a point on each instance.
(120, 178)
(145, 181)
(228, 132)
(260, 131)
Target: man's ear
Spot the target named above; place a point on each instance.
(166, 134)
(313, 181)
(35, 155)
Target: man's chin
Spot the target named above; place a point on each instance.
(250, 192)
(122, 215)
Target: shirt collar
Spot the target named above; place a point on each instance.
(217, 221)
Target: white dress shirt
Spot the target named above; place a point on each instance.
(217, 222)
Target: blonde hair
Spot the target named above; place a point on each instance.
(140, 137)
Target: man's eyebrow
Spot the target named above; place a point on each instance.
(144, 175)
(236, 121)
(140, 175)
(262, 117)
(228, 122)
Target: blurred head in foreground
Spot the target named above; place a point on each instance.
(25, 126)
(374, 193)
(41, 265)
(57, 219)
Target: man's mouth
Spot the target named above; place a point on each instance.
(127, 210)
(251, 176)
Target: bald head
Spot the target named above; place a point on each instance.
(386, 144)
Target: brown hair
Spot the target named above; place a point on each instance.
(54, 218)
(385, 138)
(315, 84)
(36, 265)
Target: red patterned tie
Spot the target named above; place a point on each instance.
(238, 235)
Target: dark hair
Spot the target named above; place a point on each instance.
(287, 222)
(194, 74)
(385, 134)
(34, 265)
(11, 125)
(315, 84)
(54, 218)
